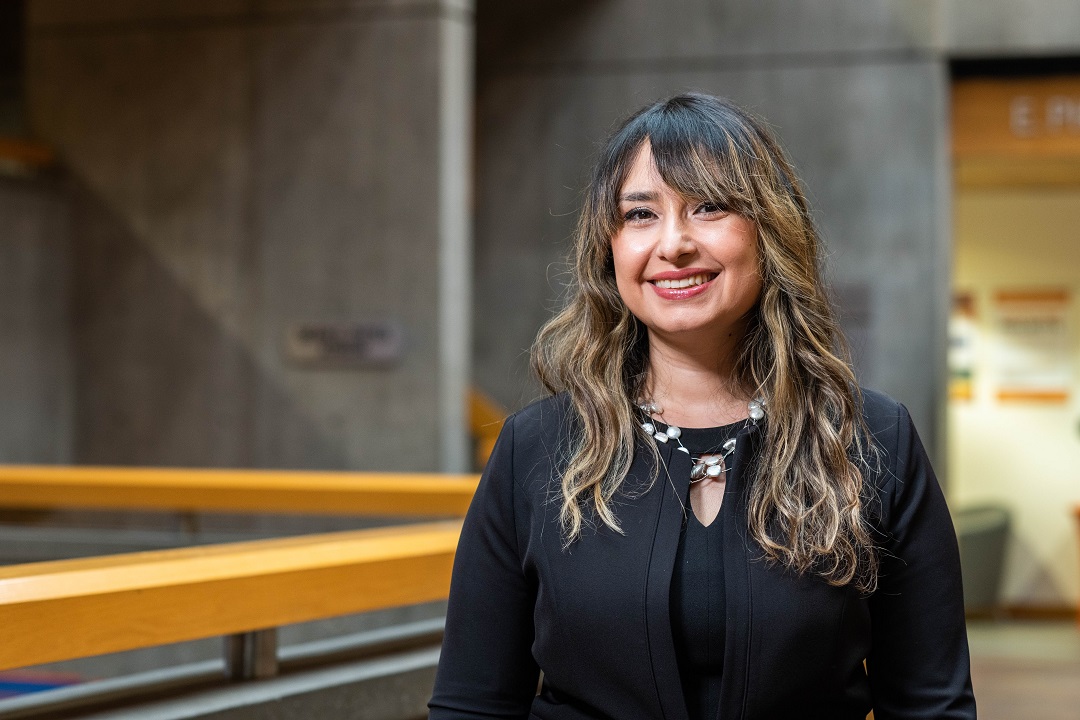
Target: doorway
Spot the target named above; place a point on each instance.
(1013, 421)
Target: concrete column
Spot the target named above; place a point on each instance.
(456, 68)
(240, 168)
(35, 353)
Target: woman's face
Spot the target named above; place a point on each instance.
(687, 270)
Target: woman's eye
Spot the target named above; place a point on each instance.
(709, 208)
(638, 214)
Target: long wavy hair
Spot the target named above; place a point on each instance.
(805, 502)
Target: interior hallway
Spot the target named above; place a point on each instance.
(1026, 670)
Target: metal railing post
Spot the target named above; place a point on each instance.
(251, 655)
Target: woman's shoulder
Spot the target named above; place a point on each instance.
(890, 428)
(885, 416)
(532, 443)
(900, 462)
(547, 417)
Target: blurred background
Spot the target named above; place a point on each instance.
(321, 235)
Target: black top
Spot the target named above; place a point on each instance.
(698, 616)
(596, 615)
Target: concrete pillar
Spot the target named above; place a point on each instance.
(35, 352)
(455, 179)
(242, 168)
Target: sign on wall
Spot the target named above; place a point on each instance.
(1016, 116)
(344, 345)
(1032, 358)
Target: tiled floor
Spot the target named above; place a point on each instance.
(1026, 670)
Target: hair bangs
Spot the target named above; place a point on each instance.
(700, 156)
(612, 174)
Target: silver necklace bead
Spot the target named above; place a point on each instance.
(711, 465)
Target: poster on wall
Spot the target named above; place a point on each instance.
(962, 339)
(1033, 362)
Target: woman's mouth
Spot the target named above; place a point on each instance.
(686, 282)
(684, 287)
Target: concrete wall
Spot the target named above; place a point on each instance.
(1002, 28)
(238, 167)
(36, 369)
(855, 91)
(241, 166)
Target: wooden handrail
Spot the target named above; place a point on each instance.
(485, 419)
(65, 609)
(42, 486)
(26, 152)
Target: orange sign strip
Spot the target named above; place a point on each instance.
(1016, 117)
(1036, 296)
(1042, 396)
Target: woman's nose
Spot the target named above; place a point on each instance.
(675, 239)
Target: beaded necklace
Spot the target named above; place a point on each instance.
(711, 464)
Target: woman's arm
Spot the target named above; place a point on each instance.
(486, 669)
(918, 664)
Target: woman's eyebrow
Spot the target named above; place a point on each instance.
(638, 196)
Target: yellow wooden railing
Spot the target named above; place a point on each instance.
(26, 154)
(77, 608)
(259, 491)
(67, 609)
(485, 421)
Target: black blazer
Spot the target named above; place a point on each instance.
(594, 617)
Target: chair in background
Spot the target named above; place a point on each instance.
(982, 531)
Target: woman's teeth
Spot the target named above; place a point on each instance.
(685, 282)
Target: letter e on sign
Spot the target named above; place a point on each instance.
(1063, 114)
(1022, 116)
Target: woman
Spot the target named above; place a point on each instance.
(707, 518)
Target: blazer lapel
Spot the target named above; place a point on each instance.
(738, 590)
(672, 483)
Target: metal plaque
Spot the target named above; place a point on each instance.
(337, 345)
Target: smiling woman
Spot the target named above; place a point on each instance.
(685, 267)
(708, 517)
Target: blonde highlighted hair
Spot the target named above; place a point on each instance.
(805, 500)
